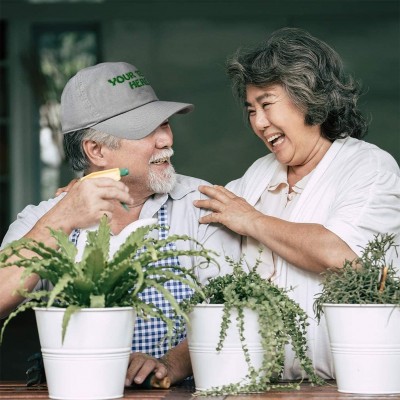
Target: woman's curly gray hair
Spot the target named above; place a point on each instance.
(313, 75)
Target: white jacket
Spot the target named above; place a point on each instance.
(355, 193)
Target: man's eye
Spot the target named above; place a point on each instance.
(265, 105)
(250, 112)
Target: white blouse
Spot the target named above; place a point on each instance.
(277, 201)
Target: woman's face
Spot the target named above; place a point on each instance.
(279, 123)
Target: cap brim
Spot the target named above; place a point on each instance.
(140, 122)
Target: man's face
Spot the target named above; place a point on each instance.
(148, 161)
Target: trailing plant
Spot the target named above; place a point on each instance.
(97, 281)
(369, 279)
(281, 321)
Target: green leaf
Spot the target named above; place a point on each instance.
(93, 264)
(97, 301)
(103, 238)
(84, 286)
(134, 241)
(67, 316)
(65, 245)
(59, 288)
(170, 298)
(99, 239)
(20, 309)
(110, 276)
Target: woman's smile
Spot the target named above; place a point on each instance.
(276, 120)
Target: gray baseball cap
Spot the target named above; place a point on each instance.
(114, 98)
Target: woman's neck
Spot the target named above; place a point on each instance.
(298, 172)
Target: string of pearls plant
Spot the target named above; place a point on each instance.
(281, 321)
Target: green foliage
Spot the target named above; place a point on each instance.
(281, 321)
(96, 281)
(369, 279)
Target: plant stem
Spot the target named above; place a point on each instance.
(383, 279)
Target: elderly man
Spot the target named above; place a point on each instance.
(112, 118)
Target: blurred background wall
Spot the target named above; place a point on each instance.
(181, 46)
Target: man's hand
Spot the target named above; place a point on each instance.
(83, 206)
(174, 365)
(86, 202)
(141, 366)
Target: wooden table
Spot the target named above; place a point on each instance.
(18, 390)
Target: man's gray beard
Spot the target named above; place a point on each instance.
(162, 182)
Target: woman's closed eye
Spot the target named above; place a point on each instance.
(266, 105)
(251, 112)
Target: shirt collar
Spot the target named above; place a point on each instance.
(280, 177)
(155, 202)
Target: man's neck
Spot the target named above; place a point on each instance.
(123, 217)
(125, 214)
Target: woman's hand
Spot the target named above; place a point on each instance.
(309, 246)
(66, 188)
(228, 209)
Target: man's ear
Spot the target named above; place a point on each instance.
(94, 152)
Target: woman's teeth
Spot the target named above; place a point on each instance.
(276, 139)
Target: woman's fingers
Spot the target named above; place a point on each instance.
(226, 208)
(217, 192)
(210, 218)
(210, 204)
(66, 188)
(218, 197)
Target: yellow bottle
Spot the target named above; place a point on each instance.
(113, 173)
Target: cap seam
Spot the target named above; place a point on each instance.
(85, 99)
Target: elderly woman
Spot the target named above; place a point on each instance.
(322, 192)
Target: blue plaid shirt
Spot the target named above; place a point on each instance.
(150, 333)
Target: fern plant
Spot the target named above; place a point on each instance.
(369, 279)
(97, 281)
(281, 321)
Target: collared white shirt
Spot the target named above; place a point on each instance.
(278, 201)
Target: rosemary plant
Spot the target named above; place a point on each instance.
(281, 321)
(97, 281)
(369, 279)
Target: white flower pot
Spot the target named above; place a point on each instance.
(212, 368)
(365, 345)
(92, 362)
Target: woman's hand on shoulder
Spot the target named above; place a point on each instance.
(228, 209)
(66, 188)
